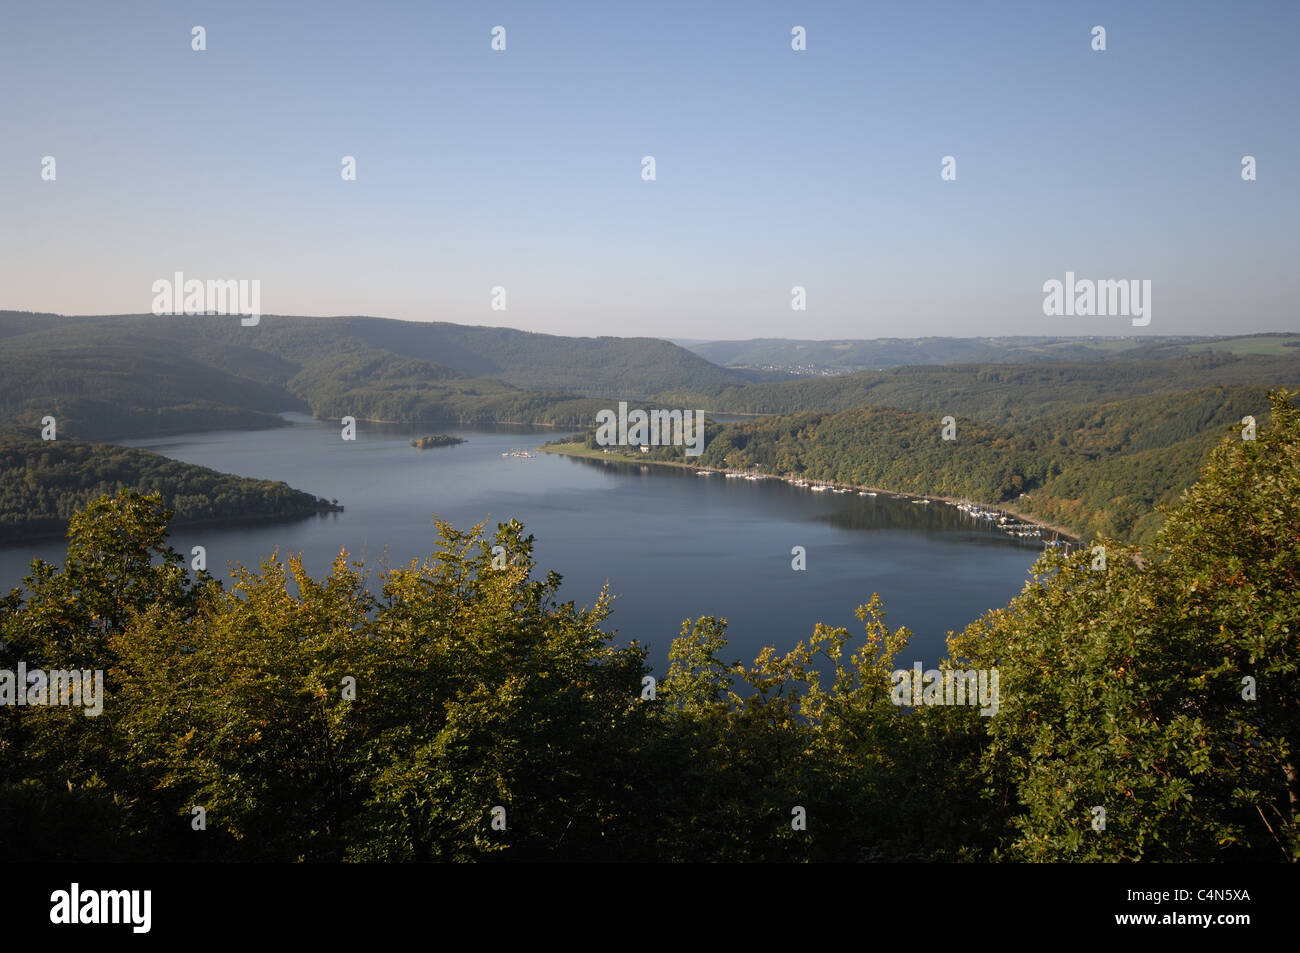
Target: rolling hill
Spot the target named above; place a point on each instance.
(824, 358)
(128, 375)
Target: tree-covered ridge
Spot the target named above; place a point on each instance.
(1164, 694)
(318, 720)
(883, 447)
(1131, 457)
(1103, 469)
(1000, 393)
(135, 374)
(584, 365)
(44, 483)
(466, 401)
(140, 374)
(846, 356)
(99, 383)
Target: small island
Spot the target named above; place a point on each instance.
(437, 440)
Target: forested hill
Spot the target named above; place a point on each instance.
(601, 366)
(1103, 469)
(810, 358)
(42, 483)
(1004, 393)
(110, 376)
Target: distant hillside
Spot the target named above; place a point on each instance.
(106, 378)
(1101, 469)
(605, 366)
(1003, 393)
(821, 358)
(126, 375)
(42, 483)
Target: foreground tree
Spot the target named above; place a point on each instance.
(805, 756)
(1158, 695)
(68, 787)
(463, 713)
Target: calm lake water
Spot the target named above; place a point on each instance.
(672, 545)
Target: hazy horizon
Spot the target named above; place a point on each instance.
(683, 341)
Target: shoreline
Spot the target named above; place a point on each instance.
(1067, 534)
(448, 421)
(211, 522)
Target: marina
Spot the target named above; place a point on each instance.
(982, 514)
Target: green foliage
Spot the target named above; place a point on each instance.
(815, 729)
(885, 448)
(67, 781)
(1103, 469)
(106, 377)
(474, 687)
(823, 357)
(999, 393)
(113, 376)
(1125, 685)
(43, 483)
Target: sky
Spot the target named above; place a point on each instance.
(774, 168)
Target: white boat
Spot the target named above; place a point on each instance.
(819, 488)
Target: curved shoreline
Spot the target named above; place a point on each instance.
(1065, 533)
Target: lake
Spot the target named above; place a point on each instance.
(671, 544)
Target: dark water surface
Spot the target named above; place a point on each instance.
(671, 544)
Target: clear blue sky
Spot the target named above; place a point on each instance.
(775, 168)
